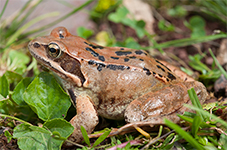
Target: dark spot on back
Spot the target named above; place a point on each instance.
(114, 57)
(160, 75)
(162, 64)
(141, 59)
(100, 66)
(132, 57)
(116, 67)
(112, 67)
(139, 52)
(161, 68)
(102, 58)
(120, 53)
(122, 48)
(171, 76)
(92, 52)
(36, 45)
(147, 71)
(91, 62)
(126, 59)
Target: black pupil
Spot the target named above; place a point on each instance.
(52, 50)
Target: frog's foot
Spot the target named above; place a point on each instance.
(155, 106)
(86, 116)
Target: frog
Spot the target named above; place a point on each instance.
(116, 83)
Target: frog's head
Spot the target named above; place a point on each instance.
(53, 52)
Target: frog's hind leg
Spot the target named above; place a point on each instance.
(86, 116)
(155, 106)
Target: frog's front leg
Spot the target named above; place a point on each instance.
(86, 116)
(154, 106)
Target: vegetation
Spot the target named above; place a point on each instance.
(42, 122)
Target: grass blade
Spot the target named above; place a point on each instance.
(208, 115)
(57, 21)
(101, 138)
(85, 136)
(195, 101)
(190, 41)
(218, 64)
(184, 134)
(195, 125)
(19, 31)
(3, 10)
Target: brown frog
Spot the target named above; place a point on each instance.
(113, 82)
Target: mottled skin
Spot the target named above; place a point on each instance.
(116, 83)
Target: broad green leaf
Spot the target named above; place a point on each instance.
(119, 15)
(197, 24)
(47, 98)
(101, 138)
(18, 61)
(8, 136)
(178, 11)
(4, 86)
(7, 107)
(162, 25)
(84, 33)
(13, 78)
(85, 135)
(18, 92)
(131, 43)
(59, 127)
(33, 137)
(184, 134)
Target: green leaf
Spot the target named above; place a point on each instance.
(178, 11)
(162, 25)
(131, 43)
(46, 97)
(4, 86)
(13, 77)
(84, 33)
(85, 135)
(101, 138)
(60, 128)
(184, 134)
(33, 137)
(119, 15)
(19, 61)
(18, 92)
(8, 136)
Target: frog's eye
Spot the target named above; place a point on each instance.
(54, 50)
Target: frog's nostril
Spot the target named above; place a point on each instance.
(36, 45)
